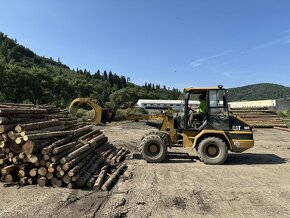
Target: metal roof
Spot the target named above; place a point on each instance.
(200, 89)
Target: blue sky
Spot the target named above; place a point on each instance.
(176, 43)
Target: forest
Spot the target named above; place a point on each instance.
(29, 78)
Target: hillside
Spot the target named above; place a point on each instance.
(260, 91)
(28, 78)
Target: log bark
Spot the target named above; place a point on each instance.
(117, 154)
(84, 169)
(8, 111)
(7, 127)
(82, 149)
(31, 147)
(63, 147)
(50, 129)
(8, 120)
(60, 142)
(114, 177)
(89, 135)
(79, 164)
(122, 156)
(17, 148)
(56, 182)
(101, 177)
(80, 130)
(66, 179)
(46, 135)
(55, 158)
(90, 174)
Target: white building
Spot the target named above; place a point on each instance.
(270, 104)
(157, 104)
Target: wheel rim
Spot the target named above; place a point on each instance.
(153, 148)
(212, 151)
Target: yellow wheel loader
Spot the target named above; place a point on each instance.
(212, 133)
(102, 114)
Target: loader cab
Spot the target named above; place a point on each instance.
(216, 114)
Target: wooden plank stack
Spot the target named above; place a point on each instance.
(261, 118)
(47, 146)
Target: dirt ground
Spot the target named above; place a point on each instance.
(255, 183)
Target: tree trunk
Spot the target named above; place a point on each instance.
(101, 177)
(33, 172)
(114, 177)
(42, 181)
(46, 135)
(7, 127)
(78, 162)
(55, 158)
(63, 147)
(87, 175)
(8, 169)
(82, 149)
(42, 171)
(83, 170)
(31, 147)
(8, 111)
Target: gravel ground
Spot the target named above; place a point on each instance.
(254, 183)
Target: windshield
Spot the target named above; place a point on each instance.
(217, 101)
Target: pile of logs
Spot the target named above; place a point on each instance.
(261, 118)
(47, 146)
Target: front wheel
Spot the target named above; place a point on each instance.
(212, 150)
(153, 149)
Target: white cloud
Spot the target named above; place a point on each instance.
(198, 62)
(279, 41)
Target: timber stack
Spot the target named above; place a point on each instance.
(45, 145)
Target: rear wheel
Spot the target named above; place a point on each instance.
(153, 149)
(212, 150)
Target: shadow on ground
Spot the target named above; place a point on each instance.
(173, 157)
(251, 159)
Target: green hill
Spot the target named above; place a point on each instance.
(28, 78)
(260, 91)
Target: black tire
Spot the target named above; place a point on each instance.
(153, 149)
(212, 150)
(151, 132)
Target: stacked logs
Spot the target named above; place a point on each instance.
(261, 118)
(47, 146)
